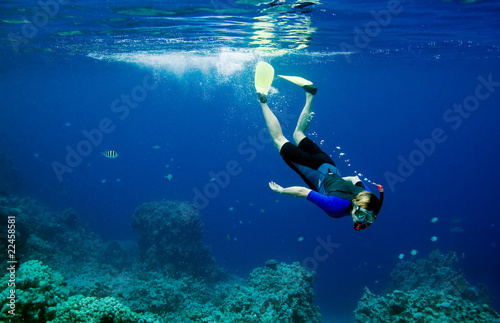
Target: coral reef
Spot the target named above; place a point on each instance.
(170, 239)
(92, 309)
(274, 293)
(37, 290)
(106, 282)
(427, 290)
(40, 296)
(55, 238)
(178, 281)
(433, 272)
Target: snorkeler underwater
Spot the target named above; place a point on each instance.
(162, 162)
(337, 196)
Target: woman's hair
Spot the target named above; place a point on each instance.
(367, 200)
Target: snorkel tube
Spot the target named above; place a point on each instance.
(381, 198)
(361, 226)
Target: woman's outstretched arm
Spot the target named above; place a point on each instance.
(297, 191)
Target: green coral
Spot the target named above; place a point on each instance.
(94, 310)
(274, 293)
(427, 290)
(37, 290)
(103, 282)
(169, 237)
(41, 297)
(421, 305)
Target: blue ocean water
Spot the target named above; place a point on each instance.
(408, 94)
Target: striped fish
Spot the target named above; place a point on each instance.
(110, 154)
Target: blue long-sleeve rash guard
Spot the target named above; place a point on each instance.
(334, 206)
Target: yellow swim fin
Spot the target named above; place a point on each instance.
(264, 75)
(300, 81)
(307, 85)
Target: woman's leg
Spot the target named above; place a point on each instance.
(304, 119)
(274, 126)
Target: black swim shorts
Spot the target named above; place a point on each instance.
(305, 159)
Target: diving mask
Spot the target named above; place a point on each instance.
(362, 217)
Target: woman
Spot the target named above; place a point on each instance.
(337, 196)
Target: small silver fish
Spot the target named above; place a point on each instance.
(110, 154)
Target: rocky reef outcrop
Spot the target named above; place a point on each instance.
(274, 293)
(170, 239)
(66, 273)
(428, 290)
(60, 239)
(41, 296)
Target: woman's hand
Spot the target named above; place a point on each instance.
(275, 187)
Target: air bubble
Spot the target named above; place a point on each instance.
(341, 155)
